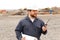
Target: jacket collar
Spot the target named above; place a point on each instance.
(27, 18)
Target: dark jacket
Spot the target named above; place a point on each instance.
(26, 26)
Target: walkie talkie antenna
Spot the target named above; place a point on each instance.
(48, 21)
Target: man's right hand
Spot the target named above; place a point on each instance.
(23, 38)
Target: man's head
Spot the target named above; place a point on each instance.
(33, 13)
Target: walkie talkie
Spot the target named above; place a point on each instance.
(47, 22)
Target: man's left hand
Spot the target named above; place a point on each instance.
(44, 28)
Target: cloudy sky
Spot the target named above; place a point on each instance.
(35, 4)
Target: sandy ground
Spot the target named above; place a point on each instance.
(9, 23)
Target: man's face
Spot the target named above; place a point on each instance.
(33, 13)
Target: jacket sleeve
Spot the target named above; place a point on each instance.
(43, 24)
(18, 30)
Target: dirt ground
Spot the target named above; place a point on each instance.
(9, 23)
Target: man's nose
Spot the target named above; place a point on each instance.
(36, 13)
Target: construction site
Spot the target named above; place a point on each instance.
(9, 20)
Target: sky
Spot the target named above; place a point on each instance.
(30, 4)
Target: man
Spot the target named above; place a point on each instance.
(31, 25)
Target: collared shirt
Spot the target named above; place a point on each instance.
(32, 19)
(26, 26)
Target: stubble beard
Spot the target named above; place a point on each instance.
(33, 16)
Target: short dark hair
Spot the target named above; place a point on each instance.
(31, 10)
